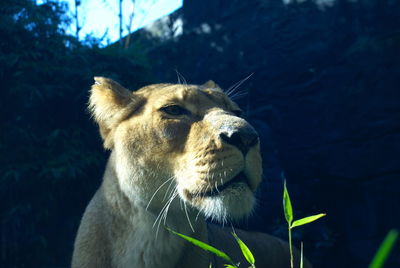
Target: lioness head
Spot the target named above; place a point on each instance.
(186, 141)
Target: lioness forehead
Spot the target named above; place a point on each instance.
(193, 95)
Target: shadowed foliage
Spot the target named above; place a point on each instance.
(50, 153)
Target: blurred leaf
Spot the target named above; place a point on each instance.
(245, 250)
(287, 206)
(301, 256)
(383, 252)
(204, 246)
(307, 220)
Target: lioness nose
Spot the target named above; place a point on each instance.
(243, 138)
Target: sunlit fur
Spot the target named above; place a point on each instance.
(186, 148)
(160, 168)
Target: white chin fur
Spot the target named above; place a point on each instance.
(234, 203)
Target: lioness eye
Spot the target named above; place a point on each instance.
(174, 110)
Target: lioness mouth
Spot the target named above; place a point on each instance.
(240, 178)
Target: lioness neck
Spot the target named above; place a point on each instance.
(135, 241)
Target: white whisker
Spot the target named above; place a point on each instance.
(164, 211)
(180, 77)
(151, 199)
(237, 85)
(238, 95)
(187, 217)
(216, 187)
(198, 213)
(169, 204)
(160, 214)
(167, 191)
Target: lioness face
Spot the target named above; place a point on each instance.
(180, 140)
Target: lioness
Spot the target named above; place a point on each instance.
(179, 154)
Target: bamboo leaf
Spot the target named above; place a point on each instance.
(204, 246)
(230, 266)
(287, 205)
(245, 250)
(384, 250)
(307, 220)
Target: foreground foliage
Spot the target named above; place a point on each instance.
(288, 211)
(377, 262)
(384, 250)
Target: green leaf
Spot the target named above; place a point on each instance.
(230, 266)
(287, 205)
(204, 246)
(383, 252)
(307, 220)
(245, 250)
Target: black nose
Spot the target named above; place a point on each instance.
(243, 138)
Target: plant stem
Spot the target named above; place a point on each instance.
(290, 247)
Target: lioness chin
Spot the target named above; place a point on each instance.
(179, 154)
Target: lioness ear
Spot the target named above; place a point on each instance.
(210, 84)
(109, 103)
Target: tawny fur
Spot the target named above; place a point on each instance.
(162, 165)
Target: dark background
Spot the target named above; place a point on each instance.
(324, 97)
